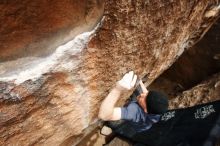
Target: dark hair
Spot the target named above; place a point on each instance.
(157, 102)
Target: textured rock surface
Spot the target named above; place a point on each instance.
(206, 91)
(54, 108)
(119, 142)
(35, 28)
(195, 65)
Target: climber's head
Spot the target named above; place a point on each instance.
(157, 102)
(153, 102)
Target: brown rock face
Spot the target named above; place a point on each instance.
(51, 100)
(193, 66)
(207, 91)
(35, 28)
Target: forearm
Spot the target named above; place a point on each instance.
(108, 104)
(108, 111)
(144, 93)
(144, 89)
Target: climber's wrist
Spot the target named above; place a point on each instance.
(119, 88)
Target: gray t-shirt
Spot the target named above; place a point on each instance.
(141, 120)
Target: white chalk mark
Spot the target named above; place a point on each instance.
(60, 60)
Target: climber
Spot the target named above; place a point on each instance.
(142, 111)
(146, 120)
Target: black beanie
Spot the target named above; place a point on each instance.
(157, 102)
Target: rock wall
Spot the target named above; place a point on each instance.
(36, 28)
(193, 66)
(54, 103)
(207, 91)
(31, 30)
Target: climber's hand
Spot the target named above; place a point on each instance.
(128, 81)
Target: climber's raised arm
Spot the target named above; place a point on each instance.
(108, 111)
